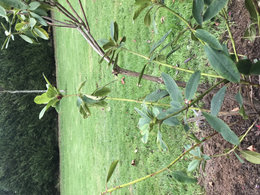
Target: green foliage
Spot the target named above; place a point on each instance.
(250, 156)
(29, 160)
(182, 177)
(197, 11)
(192, 85)
(217, 101)
(112, 169)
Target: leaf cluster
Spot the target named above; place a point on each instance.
(25, 20)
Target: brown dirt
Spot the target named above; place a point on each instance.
(226, 175)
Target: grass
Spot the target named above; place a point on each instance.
(87, 147)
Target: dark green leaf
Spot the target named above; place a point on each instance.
(156, 95)
(192, 85)
(251, 156)
(156, 45)
(147, 19)
(123, 40)
(82, 85)
(197, 11)
(221, 127)
(114, 31)
(141, 75)
(250, 6)
(255, 68)
(244, 66)
(208, 2)
(217, 101)
(112, 169)
(222, 64)
(141, 2)
(109, 45)
(139, 10)
(182, 177)
(193, 165)
(238, 157)
(108, 53)
(208, 38)
(102, 42)
(213, 9)
(242, 112)
(103, 91)
(91, 100)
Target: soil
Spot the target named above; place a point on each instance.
(227, 175)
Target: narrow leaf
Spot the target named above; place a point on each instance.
(182, 177)
(103, 91)
(172, 88)
(222, 64)
(147, 19)
(244, 66)
(139, 10)
(145, 137)
(26, 38)
(213, 9)
(161, 144)
(238, 157)
(156, 45)
(141, 75)
(197, 11)
(192, 85)
(41, 33)
(255, 68)
(251, 156)
(42, 112)
(34, 5)
(250, 6)
(208, 38)
(112, 169)
(221, 127)
(156, 95)
(217, 101)
(173, 121)
(193, 165)
(239, 99)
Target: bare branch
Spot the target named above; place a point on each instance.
(84, 14)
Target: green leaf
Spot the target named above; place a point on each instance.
(255, 69)
(102, 42)
(101, 92)
(147, 19)
(42, 112)
(141, 2)
(114, 31)
(141, 75)
(197, 11)
(242, 112)
(34, 5)
(238, 157)
(39, 19)
(82, 84)
(221, 127)
(156, 95)
(192, 85)
(172, 88)
(208, 2)
(161, 144)
(142, 114)
(172, 121)
(222, 64)
(41, 33)
(193, 165)
(208, 38)
(109, 45)
(2, 12)
(108, 53)
(251, 156)
(251, 33)
(26, 38)
(42, 99)
(182, 177)
(32, 22)
(112, 169)
(217, 101)
(145, 137)
(19, 26)
(213, 9)
(84, 110)
(250, 6)
(8, 4)
(239, 99)
(244, 66)
(157, 44)
(139, 10)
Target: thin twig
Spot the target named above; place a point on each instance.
(74, 11)
(84, 14)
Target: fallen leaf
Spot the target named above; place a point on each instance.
(133, 163)
(251, 148)
(235, 109)
(162, 19)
